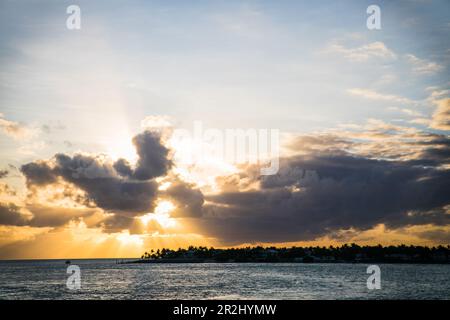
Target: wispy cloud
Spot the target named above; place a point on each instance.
(14, 129)
(441, 117)
(373, 95)
(422, 66)
(363, 53)
(409, 112)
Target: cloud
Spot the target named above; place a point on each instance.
(373, 95)
(325, 190)
(422, 66)
(319, 142)
(153, 156)
(441, 117)
(10, 214)
(5, 189)
(3, 173)
(50, 128)
(409, 112)
(98, 178)
(154, 122)
(436, 151)
(114, 187)
(50, 216)
(380, 140)
(421, 121)
(38, 173)
(123, 168)
(187, 199)
(312, 197)
(437, 234)
(124, 191)
(363, 53)
(13, 129)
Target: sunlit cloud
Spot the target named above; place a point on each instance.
(363, 53)
(421, 66)
(14, 129)
(441, 117)
(374, 95)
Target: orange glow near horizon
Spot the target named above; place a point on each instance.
(78, 241)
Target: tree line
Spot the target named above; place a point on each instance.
(345, 253)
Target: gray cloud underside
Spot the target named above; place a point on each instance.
(124, 190)
(42, 216)
(319, 193)
(112, 187)
(314, 194)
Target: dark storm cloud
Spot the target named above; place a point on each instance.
(321, 192)
(433, 156)
(112, 187)
(153, 156)
(45, 216)
(440, 235)
(104, 186)
(100, 182)
(436, 151)
(187, 199)
(41, 216)
(10, 215)
(123, 168)
(38, 173)
(116, 223)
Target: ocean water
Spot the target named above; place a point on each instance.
(104, 279)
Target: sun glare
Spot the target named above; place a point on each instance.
(121, 146)
(126, 238)
(161, 215)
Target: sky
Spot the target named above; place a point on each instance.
(89, 163)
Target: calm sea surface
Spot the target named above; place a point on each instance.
(104, 279)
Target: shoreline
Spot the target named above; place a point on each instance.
(181, 261)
